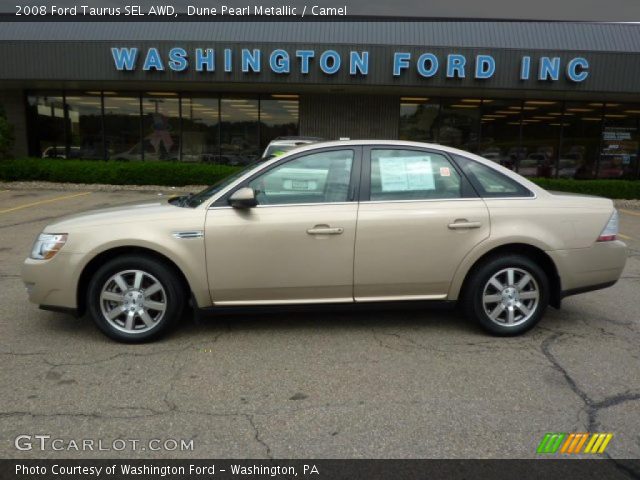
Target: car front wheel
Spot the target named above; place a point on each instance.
(134, 299)
(507, 295)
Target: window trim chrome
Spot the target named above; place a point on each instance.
(223, 207)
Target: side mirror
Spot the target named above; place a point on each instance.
(243, 198)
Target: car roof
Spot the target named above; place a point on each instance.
(301, 137)
(291, 142)
(400, 143)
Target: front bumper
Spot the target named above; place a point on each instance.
(53, 283)
(585, 269)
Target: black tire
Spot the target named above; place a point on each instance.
(474, 305)
(172, 295)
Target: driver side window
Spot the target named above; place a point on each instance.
(316, 178)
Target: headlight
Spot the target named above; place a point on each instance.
(47, 245)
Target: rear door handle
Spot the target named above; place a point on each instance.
(463, 225)
(325, 230)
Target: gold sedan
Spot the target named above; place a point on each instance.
(347, 222)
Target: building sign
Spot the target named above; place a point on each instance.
(330, 62)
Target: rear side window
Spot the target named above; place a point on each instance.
(489, 182)
(412, 175)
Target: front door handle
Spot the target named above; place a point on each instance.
(463, 224)
(325, 230)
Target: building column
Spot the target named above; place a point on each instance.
(13, 103)
(352, 116)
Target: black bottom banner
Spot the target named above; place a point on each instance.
(320, 469)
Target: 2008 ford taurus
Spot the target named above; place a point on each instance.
(336, 222)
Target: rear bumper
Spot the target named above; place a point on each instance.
(576, 291)
(585, 269)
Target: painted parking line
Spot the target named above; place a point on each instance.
(625, 237)
(40, 202)
(629, 212)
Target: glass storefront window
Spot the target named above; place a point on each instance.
(160, 126)
(84, 120)
(620, 141)
(200, 130)
(47, 114)
(122, 126)
(418, 119)
(239, 142)
(543, 138)
(500, 132)
(580, 149)
(541, 125)
(278, 117)
(458, 123)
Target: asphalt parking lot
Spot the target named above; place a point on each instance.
(382, 384)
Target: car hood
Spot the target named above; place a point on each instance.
(153, 210)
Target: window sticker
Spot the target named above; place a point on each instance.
(445, 172)
(401, 174)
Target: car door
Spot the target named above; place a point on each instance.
(296, 245)
(418, 218)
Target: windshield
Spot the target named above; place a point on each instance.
(196, 199)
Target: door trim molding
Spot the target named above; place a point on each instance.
(396, 298)
(300, 301)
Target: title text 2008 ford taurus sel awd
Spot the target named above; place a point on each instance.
(334, 222)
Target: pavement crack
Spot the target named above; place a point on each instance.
(23, 354)
(177, 369)
(94, 415)
(257, 437)
(130, 354)
(591, 406)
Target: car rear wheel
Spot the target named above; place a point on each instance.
(507, 295)
(134, 299)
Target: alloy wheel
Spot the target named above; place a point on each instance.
(133, 301)
(511, 297)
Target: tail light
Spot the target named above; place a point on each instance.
(611, 229)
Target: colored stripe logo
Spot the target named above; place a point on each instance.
(573, 443)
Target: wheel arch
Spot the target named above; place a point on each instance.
(530, 251)
(103, 257)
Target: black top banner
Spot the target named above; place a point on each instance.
(314, 10)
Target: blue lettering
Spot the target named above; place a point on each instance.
(400, 62)
(177, 59)
(279, 61)
(549, 68)
(153, 60)
(525, 68)
(305, 56)
(485, 66)
(573, 66)
(335, 62)
(228, 59)
(207, 59)
(250, 60)
(427, 59)
(125, 58)
(455, 65)
(358, 62)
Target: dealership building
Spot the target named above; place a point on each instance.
(544, 98)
